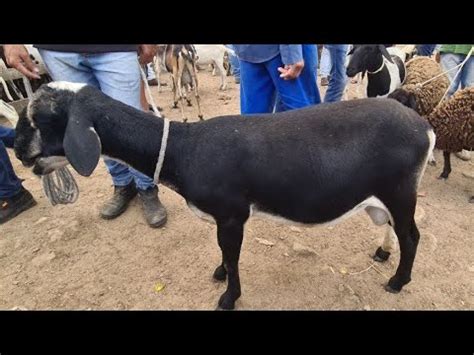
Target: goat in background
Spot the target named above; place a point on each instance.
(180, 61)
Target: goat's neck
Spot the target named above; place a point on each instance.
(135, 138)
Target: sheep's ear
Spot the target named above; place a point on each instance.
(81, 144)
(385, 53)
(411, 101)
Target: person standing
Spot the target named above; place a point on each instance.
(114, 69)
(14, 198)
(337, 77)
(450, 56)
(271, 70)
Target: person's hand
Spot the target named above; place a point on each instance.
(18, 57)
(291, 71)
(146, 52)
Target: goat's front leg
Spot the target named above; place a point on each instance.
(447, 165)
(230, 233)
(181, 65)
(220, 66)
(192, 70)
(157, 70)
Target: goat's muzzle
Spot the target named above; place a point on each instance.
(46, 165)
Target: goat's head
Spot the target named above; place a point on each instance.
(55, 130)
(366, 58)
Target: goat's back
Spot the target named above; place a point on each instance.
(343, 151)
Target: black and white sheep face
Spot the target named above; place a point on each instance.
(41, 129)
(366, 58)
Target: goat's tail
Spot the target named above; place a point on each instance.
(429, 154)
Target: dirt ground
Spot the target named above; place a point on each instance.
(66, 257)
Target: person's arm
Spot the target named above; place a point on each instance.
(17, 56)
(292, 57)
(146, 52)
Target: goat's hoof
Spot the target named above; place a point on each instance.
(432, 162)
(185, 120)
(189, 104)
(471, 200)
(226, 301)
(395, 284)
(220, 274)
(381, 255)
(175, 105)
(389, 289)
(443, 177)
(201, 117)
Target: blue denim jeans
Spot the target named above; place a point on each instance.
(10, 184)
(116, 74)
(338, 78)
(325, 65)
(425, 49)
(465, 78)
(234, 63)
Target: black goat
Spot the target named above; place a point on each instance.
(311, 166)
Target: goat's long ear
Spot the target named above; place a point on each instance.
(81, 143)
(351, 51)
(385, 53)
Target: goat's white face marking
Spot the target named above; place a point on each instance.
(65, 85)
(29, 114)
(34, 147)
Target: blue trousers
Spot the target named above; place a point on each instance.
(425, 49)
(234, 63)
(337, 78)
(261, 83)
(117, 75)
(10, 184)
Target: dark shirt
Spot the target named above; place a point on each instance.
(88, 48)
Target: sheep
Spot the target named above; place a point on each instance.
(180, 61)
(385, 71)
(427, 96)
(316, 165)
(453, 124)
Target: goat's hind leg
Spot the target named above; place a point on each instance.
(220, 274)
(403, 212)
(383, 252)
(381, 217)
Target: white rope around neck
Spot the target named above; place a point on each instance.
(161, 156)
(166, 129)
(379, 69)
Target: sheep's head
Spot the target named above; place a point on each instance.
(54, 131)
(405, 97)
(366, 58)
